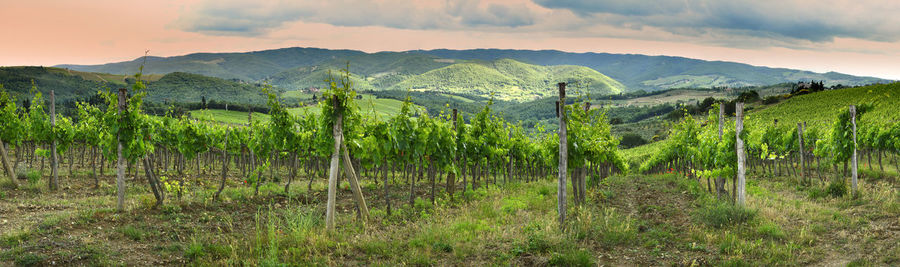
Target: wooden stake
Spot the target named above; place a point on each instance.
(54, 160)
(451, 178)
(720, 181)
(224, 164)
(9, 168)
(563, 154)
(802, 151)
(854, 167)
(120, 163)
(739, 145)
(333, 170)
(354, 182)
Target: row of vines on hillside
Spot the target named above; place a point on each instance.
(705, 149)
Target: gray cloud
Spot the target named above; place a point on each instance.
(243, 18)
(815, 21)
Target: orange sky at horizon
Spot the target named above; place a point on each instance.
(56, 32)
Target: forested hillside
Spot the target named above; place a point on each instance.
(384, 69)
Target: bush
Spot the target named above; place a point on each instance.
(724, 214)
(748, 96)
(816, 193)
(133, 233)
(837, 188)
(34, 177)
(771, 99)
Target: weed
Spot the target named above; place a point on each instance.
(837, 188)
(609, 227)
(770, 230)
(816, 193)
(543, 190)
(33, 176)
(511, 205)
(30, 259)
(572, 258)
(194, 250)
(722, 214)
(133, 233)
(15, 238)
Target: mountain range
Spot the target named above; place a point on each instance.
(509, 74)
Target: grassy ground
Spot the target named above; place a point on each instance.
(628, 220)
(227, 116)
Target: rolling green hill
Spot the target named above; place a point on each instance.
(186, 87)
(509, 80)
(174, 87)
(303, 78)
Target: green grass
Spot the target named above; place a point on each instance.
(720, 215)
(227, 116)
(383, 107)
(132, 232)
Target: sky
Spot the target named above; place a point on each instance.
(859, 37)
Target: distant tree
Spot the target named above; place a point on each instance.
(630, 140)
(771, 99)
(748, 96)
(615, 121)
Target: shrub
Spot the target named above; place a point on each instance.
(133, 233)
(33, 177)
(724, 214)
(771, 99)
(837, 188)
(816, 193)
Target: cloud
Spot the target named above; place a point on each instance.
(252, 18)
(787, 20)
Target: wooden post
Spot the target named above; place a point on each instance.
(9, 168)
(451, 177)
(333, 170)
(563, 153)
(120, 164)
(739, 145)
(582, 178)
(354, 182)
(224, 164)
(54, 160)
(720, 181)
(802, 151)
(854, 160)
